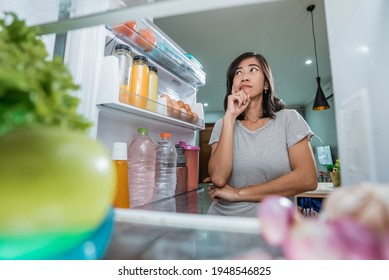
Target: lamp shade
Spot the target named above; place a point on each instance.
(320, 102)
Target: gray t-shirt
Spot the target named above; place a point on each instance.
(259, 156)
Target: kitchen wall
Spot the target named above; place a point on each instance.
(323, 125)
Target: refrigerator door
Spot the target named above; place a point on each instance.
(359, 63)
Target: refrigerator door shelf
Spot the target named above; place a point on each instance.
(182, 120)
(148, 39)
(109, 92)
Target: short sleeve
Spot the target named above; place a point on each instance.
(297, 128)
(216, 131)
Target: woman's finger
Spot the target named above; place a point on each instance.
(244, 97)
(207, 180)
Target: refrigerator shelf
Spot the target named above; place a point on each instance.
(160, 113)
(110, 95)
(146, 38)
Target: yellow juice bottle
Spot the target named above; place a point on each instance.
(139, 85)
(153, 88)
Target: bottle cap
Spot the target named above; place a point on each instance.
(141, 57)
(119, 151)
(143, 131)
(165, 135)
(188, 147)
(152, 68)
(122, 47)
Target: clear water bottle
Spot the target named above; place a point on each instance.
(165, 167)
(141, 168)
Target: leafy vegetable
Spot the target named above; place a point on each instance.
(33, 90)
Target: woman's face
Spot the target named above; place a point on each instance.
(249, 77)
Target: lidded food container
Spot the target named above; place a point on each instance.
(192, 162)
(124, 55)
(182, 171)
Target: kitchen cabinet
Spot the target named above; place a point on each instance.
(313, 200)
(322, 191)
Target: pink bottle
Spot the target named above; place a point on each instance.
(192, 161)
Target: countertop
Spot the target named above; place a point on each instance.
(322, 191)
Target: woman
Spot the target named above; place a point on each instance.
(258, 148)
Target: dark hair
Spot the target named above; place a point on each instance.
(270, 103)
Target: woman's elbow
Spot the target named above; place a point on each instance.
(310, 182)
(218, 181)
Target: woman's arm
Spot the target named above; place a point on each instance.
(220, 162)
(302, 178)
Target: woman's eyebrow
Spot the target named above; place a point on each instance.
(240, 67)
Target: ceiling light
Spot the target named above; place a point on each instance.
(205, 104)
(363, 49)
(308, 61)
(320, 102)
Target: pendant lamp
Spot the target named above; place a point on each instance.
(320, 102)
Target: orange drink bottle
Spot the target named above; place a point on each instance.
(119, 156)
(139, 85)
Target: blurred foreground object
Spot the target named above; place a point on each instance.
(56, 187)
(367, 203)
(56, 184)
(353, 225)
(33, 90)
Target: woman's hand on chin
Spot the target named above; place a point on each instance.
(238, 102)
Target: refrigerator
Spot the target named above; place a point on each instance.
(357, 56)
(82, 32)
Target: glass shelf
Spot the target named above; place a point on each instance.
(144, 107)
(150, 235)
(110, 95)
(147, 38)
(157, 111)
